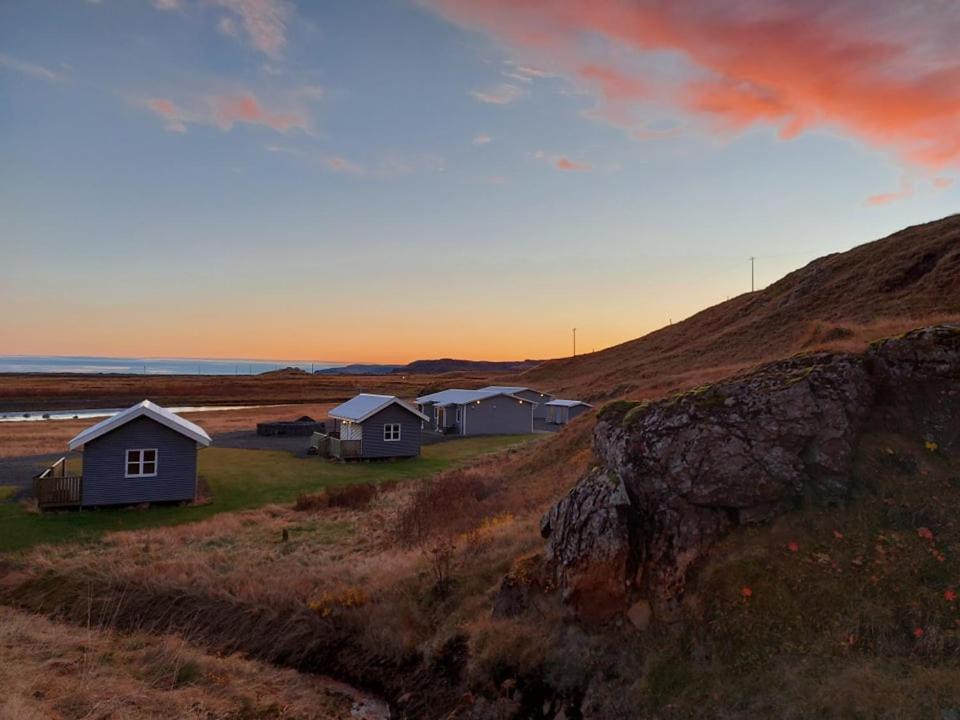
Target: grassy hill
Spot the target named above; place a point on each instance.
(841, 301)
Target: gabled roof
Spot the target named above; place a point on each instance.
(365, 405)
(462, 397)
(511, 390)
(568, 403)
(143, 409)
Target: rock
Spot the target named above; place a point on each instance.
(589, 548)
(512, 598)
(640, 614)
(676, 475)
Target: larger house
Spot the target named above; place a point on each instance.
(477, 412)
(142, 454)
(372, 427)
(539, 399)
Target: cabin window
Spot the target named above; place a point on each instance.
(459, 413)
(142, 463)
(391, 432)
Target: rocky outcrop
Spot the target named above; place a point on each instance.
(676, 475)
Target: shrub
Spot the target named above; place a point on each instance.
(343, 599)
(451, 501)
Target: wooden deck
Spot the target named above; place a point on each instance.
(53, 488)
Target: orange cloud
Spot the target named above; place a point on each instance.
(563, 163)
(885, 72)
(906, 190)
(942, 182)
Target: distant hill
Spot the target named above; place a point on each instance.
(445, 365)
(358, 369)
(843, 301)
(433, 367)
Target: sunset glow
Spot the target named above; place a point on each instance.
(447, 178)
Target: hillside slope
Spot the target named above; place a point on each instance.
(838, 301)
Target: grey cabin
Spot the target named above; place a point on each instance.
(370, 427)
(539, 399)
(142, 454)
(476, 412)
(560, 412)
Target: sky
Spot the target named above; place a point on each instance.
(388, 180)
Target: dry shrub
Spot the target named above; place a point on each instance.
(441, 563)
(354, 497)
(450, 500)
(343, 599)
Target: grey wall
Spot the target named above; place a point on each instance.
(374, 445)
(498, 415)
(576, 410)
(104, 465)
(540, 411)
(427, 409)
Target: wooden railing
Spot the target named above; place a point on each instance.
(54, 488)
(333, 447)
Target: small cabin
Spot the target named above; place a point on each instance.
(539, 399)
(144, 454)
(560, 412)
(371, 427)
(476, 412)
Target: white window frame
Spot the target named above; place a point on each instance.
(140, 462)
(388, 432)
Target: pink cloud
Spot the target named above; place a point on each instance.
(884, 72)
(172, 114)
(265, 22)
(943, 183)
(906, 190)
(31, 69)
(232, 109)
(342, 165)
(502, 94)
(225, 111)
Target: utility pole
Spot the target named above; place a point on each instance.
(752, 259)
(574, 342)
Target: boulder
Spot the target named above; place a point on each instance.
(676, 475)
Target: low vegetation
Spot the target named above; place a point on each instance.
(238, 480)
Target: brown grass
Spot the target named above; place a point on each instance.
(67, 391)
(54, 670)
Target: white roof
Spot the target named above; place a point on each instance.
(511, 390)
(568, 403)
(366, 405)
(143, 409)
(462, 397)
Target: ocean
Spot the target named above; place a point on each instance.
(149, 366)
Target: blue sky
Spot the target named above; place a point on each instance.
(385, 181)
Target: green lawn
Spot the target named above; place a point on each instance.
(238, 480)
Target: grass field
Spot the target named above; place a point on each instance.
(238, 480)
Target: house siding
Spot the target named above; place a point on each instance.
(576, 411)
(374, 446)
(499, 415)
(539, 410)
(104, 466)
